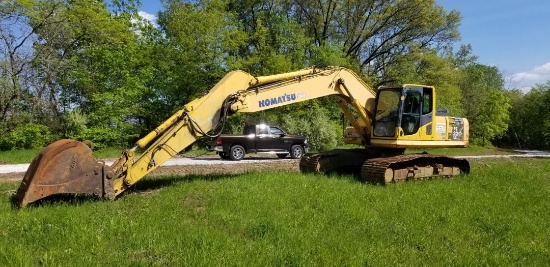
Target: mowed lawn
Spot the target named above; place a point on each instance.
(498, 215)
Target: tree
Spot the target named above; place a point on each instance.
(373, 33)
(425, 66)
(484, 102)
(201, 37)
(530, 118)
(17, 56)
(94, 62)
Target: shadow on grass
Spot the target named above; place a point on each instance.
(67, 199)
(147, 184)
(157, 182)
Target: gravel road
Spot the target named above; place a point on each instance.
(171, 162)
(182, 165)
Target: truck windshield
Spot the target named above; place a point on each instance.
(386, 112)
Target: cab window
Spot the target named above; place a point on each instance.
(427, 101)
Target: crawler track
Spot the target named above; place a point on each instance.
(381, 168)
(413, 166)
(339, 160)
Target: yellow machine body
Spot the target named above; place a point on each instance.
(369, 113)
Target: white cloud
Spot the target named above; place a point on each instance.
(150, 17)
(145, 18)
(544, 69)
(525, 80)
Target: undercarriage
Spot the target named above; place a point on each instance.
(383, 166)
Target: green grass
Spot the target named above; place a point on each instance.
(18, 156)
(498, 215)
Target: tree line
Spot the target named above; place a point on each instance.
(94, 69)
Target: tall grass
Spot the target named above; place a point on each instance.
(18, 156)
(498, 215)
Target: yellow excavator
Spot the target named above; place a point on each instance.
(383, 123)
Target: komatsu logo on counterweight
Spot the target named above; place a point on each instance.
(277, 100)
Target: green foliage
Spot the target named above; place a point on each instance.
(529, 118)
(125, 76)
(106, 137)
(200, 36)
(494, 116)
(273, 42)
(75, 123)
(485, 105)
(319, 130)
(26, 136)
(329, 55)
(425, 66)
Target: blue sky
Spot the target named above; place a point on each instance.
(512, 35)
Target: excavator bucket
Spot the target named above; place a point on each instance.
(63, 167)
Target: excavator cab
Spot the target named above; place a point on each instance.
(399, 111)
(405, 118)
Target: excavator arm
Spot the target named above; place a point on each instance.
(67, 166)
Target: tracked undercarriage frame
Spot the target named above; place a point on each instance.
(383, 167)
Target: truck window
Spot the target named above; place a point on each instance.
(263, 129)
(276, 131)
(249, 129)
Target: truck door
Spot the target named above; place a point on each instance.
(263, 138)
(275, 140)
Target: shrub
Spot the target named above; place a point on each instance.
(105, 137)
(317, 127)
(26, 136)
(74, 123)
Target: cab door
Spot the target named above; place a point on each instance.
(411, 112)
(401, 112)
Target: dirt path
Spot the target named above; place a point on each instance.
(214, 168)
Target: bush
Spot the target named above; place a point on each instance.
(26, 136)
(105, 137)
(317, 127)
(74, 123)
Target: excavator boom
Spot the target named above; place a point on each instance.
(68, 167)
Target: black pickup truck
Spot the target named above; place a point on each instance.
(260, 138)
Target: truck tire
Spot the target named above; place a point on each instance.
(282, 156)
(223, 155)
(236, 152)
(296, 151)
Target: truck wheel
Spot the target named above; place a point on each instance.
(282, 156)
(296, 151)
(223, 155)
(236, 152)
